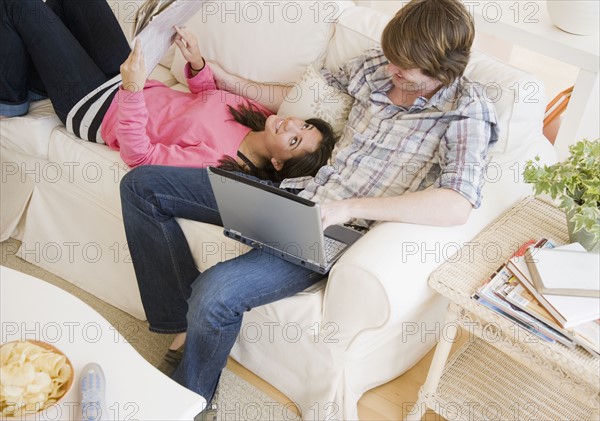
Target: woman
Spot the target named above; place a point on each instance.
(98, 88)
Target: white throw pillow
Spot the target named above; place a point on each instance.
(357, 30)
(519, 98)
(313, 97)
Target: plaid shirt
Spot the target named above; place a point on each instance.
(386, 150)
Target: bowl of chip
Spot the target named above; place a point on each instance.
(34, 376)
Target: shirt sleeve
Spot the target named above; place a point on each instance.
(203, 81)
(464, 149)
(343, 77)
(355, 77)
(298, 183)
(135, 147)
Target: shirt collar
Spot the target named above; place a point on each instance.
(446, 95)
(381, 83)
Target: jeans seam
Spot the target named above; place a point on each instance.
(156, 197)
(169, 241)
(178, 199)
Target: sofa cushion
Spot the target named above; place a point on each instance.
(92, 167)
(30, 134)
(519, 98)
(297, 34)
(357, 30)
(313, 97)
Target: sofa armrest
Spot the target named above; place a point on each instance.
(383, 276)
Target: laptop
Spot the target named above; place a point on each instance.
(272, 219)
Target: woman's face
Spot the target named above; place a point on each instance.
(290, 138)
(412, 80)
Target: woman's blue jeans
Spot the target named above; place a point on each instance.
(62, 48)
(209, 306)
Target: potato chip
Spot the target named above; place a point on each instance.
(32, 377)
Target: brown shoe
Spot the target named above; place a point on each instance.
(171, 360)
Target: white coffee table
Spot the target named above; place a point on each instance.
(33, 309)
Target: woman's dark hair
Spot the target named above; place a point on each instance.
(250, 116)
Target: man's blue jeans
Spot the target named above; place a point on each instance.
(209, 306)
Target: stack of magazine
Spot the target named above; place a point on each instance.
(569, 320)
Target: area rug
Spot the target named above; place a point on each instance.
(236, 400)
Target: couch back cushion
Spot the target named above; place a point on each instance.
(263, 41)
(519, 97)
(357, 30)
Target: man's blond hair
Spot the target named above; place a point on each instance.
(432, 35)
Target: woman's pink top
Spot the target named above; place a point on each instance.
(162, 126)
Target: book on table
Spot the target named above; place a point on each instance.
(493, 295)
(520, 296)
(586, 334)
(505, 294)
(569, 311)
(565, 271)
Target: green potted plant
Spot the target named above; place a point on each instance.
(575, 183)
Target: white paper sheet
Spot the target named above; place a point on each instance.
(158, 35)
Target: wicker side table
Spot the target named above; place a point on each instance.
(504, 372)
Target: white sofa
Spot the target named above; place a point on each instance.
(373, 317)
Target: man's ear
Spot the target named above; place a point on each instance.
(278, 165)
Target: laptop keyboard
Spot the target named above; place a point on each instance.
(332, 248)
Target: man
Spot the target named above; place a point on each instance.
(416, 142)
